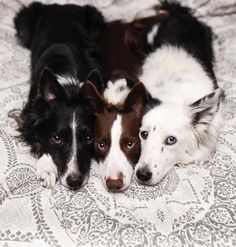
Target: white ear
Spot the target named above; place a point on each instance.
(204, 109)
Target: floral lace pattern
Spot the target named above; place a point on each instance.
(194, 205)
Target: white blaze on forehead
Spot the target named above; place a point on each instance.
(115, 152)
(72, 167)
(116, 161)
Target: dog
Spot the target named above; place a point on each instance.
(56, 121)
(183, 128)
(117, 123)
(119, 111)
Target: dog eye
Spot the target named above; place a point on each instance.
(56, 139)
(144, 134)
(170, 140)
(130, 144)
(101, 145)
(89, 138)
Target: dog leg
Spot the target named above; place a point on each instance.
(46, 171)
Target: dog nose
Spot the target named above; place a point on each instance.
(115, 184)
(74, 181)
(143, 174)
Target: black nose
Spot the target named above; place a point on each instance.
(74, 181)
(143, 174)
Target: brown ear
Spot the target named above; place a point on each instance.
(151, 20)
(136, 100)
(93, 97)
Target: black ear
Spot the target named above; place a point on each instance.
(136, 100)
(204, 109)
(93, 97)
(96, 79)
(49, 88)
(152, 102)
(131, 81)
(26, 21)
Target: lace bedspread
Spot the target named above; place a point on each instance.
(194, 205)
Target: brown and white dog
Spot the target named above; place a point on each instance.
(119, 112)
(117, 144)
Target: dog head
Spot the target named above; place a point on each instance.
(57, 121)
(117, 143)
(171, 134)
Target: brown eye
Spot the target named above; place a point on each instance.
(89, 139)
(130, 144)
(56, 139)
(101, 145)
(144, 134)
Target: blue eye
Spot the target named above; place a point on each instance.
(170, 140)
(130, 144)
(101, 145)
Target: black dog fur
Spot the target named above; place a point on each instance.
(60, 38)
(182, 29)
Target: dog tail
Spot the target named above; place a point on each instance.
(174, 8)
(26, 21)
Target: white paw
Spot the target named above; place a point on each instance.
(46, 171)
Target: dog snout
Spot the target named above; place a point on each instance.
(115, 184)
(144, 174)
(74, 181)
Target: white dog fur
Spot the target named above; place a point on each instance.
(178, 80)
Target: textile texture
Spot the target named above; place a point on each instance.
(194, 205)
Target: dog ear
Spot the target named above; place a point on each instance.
(136, 100)
(131, 81)
(49, 88)
(93, 97)
(204, 109)
(96, 79)
(26, 22)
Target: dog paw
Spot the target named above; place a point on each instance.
(46, 171)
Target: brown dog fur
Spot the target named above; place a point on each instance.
(123, 45)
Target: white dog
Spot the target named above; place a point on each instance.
(184, 127)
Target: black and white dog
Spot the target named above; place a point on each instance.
(56, 121)
(179, 72)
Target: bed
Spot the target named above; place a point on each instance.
(194, 205)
